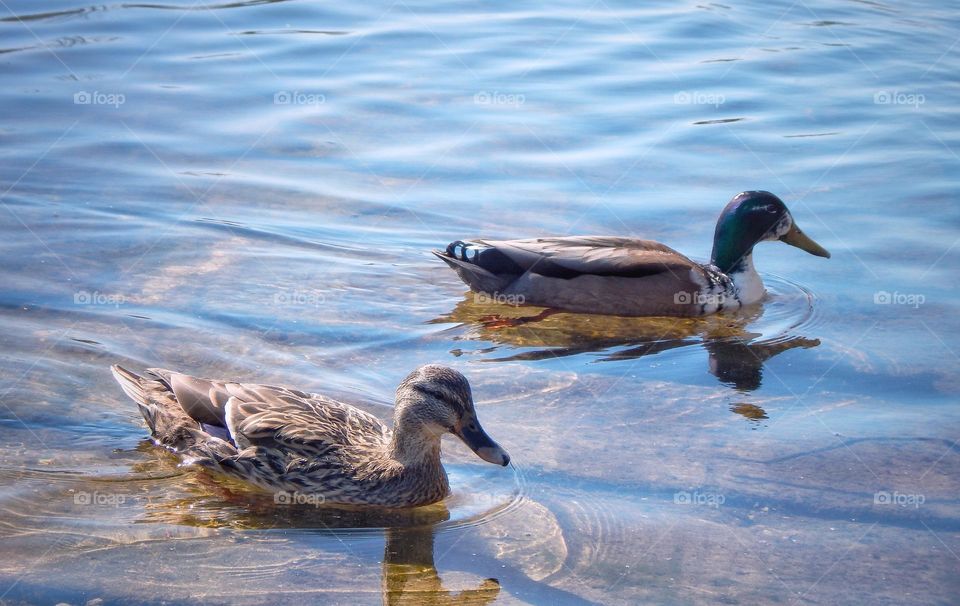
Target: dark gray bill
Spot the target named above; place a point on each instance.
(479, 442)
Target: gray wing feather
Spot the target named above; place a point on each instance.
(597, 255)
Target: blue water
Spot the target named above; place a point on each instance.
(251, 190)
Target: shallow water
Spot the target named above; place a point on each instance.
(251, 190)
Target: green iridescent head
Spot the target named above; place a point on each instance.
(751, 217)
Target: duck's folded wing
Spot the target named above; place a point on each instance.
(308, 423)
(204, 400)
(260, 414)
(593, 255)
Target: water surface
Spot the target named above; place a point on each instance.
(250, 190)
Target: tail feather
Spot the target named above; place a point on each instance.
(129, 382)
(132, 385)
(474, 276)
(486, 255)
(172, 427)
(169, 424)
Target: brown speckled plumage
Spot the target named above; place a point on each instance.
(308, 446)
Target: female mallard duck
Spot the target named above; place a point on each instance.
(631, 277)
(288, 441)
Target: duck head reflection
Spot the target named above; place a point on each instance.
(410, 576)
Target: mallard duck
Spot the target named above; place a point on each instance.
(628, 276)
(309, 448)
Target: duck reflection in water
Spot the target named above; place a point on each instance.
(409, 574)
(736, 355)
